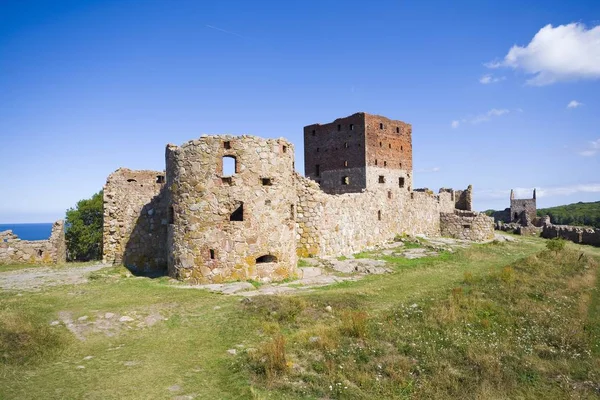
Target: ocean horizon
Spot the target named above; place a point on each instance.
(29, 231)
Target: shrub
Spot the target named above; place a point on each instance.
(84, 229)
(354, 324)
(556, 244)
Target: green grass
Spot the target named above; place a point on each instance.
(14, 267)
(371, 343)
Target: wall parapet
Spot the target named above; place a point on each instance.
(575, 234)
(49, 251)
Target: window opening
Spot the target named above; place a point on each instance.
(345, 163)
(40, 253)
(381, 179)
(171, 215)
(379, 215)
(267, 182)
(212, 254)
(339, 127)
(267, 258)
(314, 132)
(238, 214)
(345, 180)
(351, 127)
(229, 166)
(385, 163)
(131, 180)
(160, 179)
(389, 194)
(380, 126)
(227, 144)
(401, 182)
(397, 130)
(317, 170)
(292, 211)
(284, 149)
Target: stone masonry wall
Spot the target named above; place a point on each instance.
(342, 224)
(464, 199)
(50, 251)
(241, 226)
(576, 234)
(467, 225)
(336, 150)
(389, 143)
(522, 208)
(135, 220)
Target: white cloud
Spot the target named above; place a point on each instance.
(525, 193)
(489, 78)
(574, 104)
(494, 112)
(425, 170)
(563, 53)
(592, 150)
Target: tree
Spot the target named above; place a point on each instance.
(84, 229)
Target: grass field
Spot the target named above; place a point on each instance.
(509, 320)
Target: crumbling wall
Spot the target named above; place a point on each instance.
(230, 227)
(575, 234)
(523, 208)
(464, 199)
(50, 251)
(342, 224)
(468, 225)
(135, 220)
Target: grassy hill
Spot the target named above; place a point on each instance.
(500, 320)
(587, 214)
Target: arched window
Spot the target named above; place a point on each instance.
(267, 258)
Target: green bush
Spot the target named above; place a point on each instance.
(556, 244)
(84, 229)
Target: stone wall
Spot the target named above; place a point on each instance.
(341, 155)
(521, 209)
(334, 151)
(50, 251)
(576, 234)
(464, 199)
(333, 225)
(467, 225)
(135, 221)
(230, 227)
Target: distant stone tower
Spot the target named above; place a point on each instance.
(359, 152)
(237, 224)
(522, 210)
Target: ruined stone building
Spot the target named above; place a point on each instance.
(520, 217)
(233, 207)
(49, 251)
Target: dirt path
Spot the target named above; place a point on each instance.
(38, 277)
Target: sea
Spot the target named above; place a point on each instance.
(37, 231)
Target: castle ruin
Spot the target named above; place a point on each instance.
(233, 207)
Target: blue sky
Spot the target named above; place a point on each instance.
(89, 86)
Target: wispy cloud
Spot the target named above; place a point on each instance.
(563, 53)
(426, 170)
(540, 191)
(574, 104)
(224, 31)
(592, 150)
(489, 78)
(479, 118)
